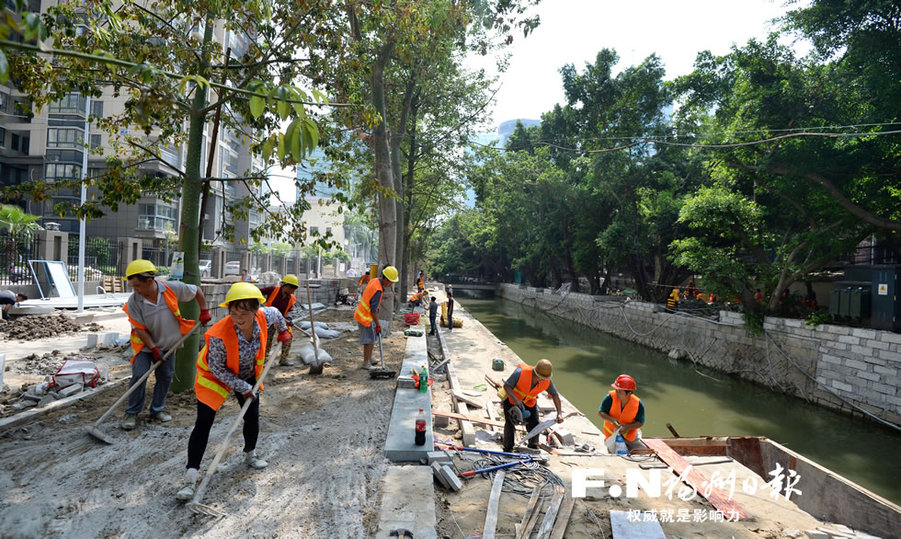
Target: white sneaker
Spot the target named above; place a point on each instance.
(254, 461)
(186, 493)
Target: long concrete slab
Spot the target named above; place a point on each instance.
(408, 502)
(400, 444)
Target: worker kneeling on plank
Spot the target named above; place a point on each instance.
(622, 410)
(156, 326)
(232, 360)
(282, 298)
(519, 398)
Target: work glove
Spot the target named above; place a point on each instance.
(284, 336)
(289, 320)
(157, 354)
(378, 329)
(204, 317)
(515, 414)
(249, 395)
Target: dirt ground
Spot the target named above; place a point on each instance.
(322, 435)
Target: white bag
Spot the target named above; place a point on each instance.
(610, 442)
(77, 371)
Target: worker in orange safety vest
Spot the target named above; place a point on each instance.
(232, 361)
(367, 312)
(621, 409)
(519, 399)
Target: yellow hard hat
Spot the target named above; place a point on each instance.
(242, 290)
(544, 368)
(291, 280)
(139, 266)
(390, 273)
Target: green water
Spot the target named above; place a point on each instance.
(696, 401)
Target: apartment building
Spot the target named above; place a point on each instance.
(49, 145)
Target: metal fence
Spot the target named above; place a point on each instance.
(15, 252)
(101, 258)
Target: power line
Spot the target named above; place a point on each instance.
(664, 142)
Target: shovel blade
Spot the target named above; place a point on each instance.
(98, 434)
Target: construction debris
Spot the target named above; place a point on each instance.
(34, 327)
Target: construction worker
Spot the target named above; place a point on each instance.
(673, 300)
(519, 399)
(433, 314)
(364, 280)
(232, 360)
(450, 312)
(282, 298)
(156, 325)
(8, 299)
(420, 282)
(367, 312)
(620, 409)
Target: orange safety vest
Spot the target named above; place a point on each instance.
(524, 390)
(623, 415)
(362, 314)
(364, 279)
(172, 302)
(274, 295)
(207, 387)
(420, 284)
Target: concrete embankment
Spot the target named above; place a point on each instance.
(855, 370)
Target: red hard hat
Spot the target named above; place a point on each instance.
(624, 382)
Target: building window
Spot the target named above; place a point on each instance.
(314, 230)
(71, 104)
(97, 108)
(62, 171)
(2, 137)
(328, 231)
(156, 216)
(96, 141)
(64, 137)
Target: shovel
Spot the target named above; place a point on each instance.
(95, 429)
(382, 372)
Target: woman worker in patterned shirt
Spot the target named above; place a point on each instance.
(232, 360)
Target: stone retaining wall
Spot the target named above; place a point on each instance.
(837, 367)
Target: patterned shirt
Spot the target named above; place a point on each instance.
(247, 352)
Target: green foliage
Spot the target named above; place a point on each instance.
(14, 220)
(815, 318)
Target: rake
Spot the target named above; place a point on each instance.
(94, 430)
(194, 505)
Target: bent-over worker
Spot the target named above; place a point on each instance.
(621, 409)
(232, 360)
(521, 390)
(282, 298)
(367, 312)
(156, 325)
(8, 299)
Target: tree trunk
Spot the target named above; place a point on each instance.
(383, 171)
(186, 358)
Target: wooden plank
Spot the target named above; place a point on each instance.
(479, 420)
(493, 500)
(533, 500)
(544, 531)
(472, 419)
(526, 531)
(694, 478)
(623, 529)
(562, 521)
(489, 410)
(463, 398)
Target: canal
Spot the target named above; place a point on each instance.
(696, 401)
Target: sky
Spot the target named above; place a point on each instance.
(574, 31)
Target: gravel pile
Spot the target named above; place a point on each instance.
(34, 327)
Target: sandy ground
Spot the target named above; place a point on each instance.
(322, 436)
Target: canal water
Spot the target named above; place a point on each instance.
(696, 401)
